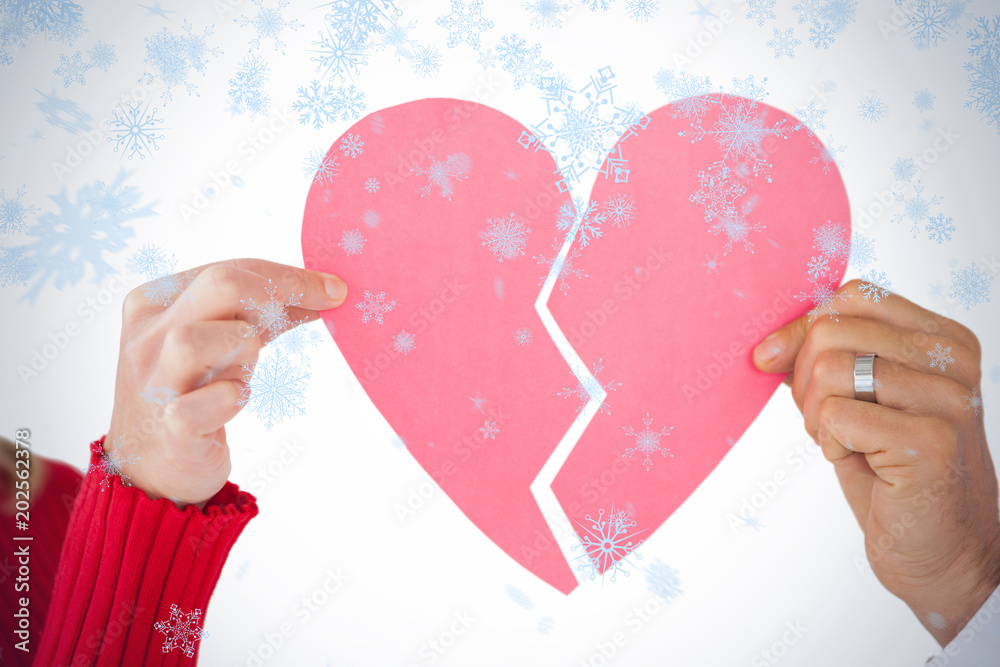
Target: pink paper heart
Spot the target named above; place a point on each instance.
(444, 227)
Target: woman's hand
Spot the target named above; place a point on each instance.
(180, 368)
(915, 467)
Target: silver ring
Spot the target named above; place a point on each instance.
(864, 377)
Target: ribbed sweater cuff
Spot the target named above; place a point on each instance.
(127, 560)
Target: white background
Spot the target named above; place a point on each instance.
(333, 506)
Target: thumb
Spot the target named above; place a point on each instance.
(777, 352)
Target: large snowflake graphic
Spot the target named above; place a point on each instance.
(16, 266)
(269, 24)
(374, 306)
(525, 64)
(916, 208)
(663, 581)
(443, 175)
(940, 356)
(824, 296)
(246, 90)
(173, 57)
(984, 70)
(404, 342)
(589, 387)
(271, 316)
(274, 389)
(181, 631)
(352, 242)
(608, 543)
(13, 213)
(112, 463)
(318, 104)
(505, 237)
(647, 441)
(135, 130)
(970, 285)
(465, 23)
(562, 265)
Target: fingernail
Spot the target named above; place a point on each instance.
(335, 288)
(768, 349)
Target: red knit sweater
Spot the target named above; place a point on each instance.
(133, 570)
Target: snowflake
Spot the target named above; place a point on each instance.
(586, 219)
(269, 24)
(619, 209)
(271, 315)
(519, 597)
(750, 89)
(739, 131)
(443, 175)
(61, 20)
(647, 441)
(939, 228)
(486, 59)
(63, 114)
(151, 261)
(134, 130)
(426, 60)
(489, 430)
(13, 213)
(840, 13)
(862, 251)
(352, 242)
(590, 387)
(16, 267)
(181, 631)
(824, 296)
(875, 285)
(831, 240)
(397, 36)
(903, 169)
(525, 64)
(522, 336)
(984, 70)
(663, 581)
(76, 237)
(712, 264)
(374, 307)
(505, 237)
(642, 10)
(546, 13)
(940, 356)
(821, 35)
(607, 544)
(102, 56)
(761, 10)
(973, 402)
(351, 145)
(689, 92)
(318, 105)
(339, 55)
(545, 625)
(923, 100)
(783, 43)
(562, 265)
(173, 56)
(583, 126)
(594, 5)
(273, 389)
(827, 155)
(927, 23)
(915, 208)
(72, 69)
(246, 89)
(371, 185)
(736, 229)
(970, 286)
(818, 267)
(404, 342)
(872, 109)
(465, 23)
(113, 463)
(320, 166)
(162, 290)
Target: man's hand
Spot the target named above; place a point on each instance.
(194, 351)
(915, 467)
